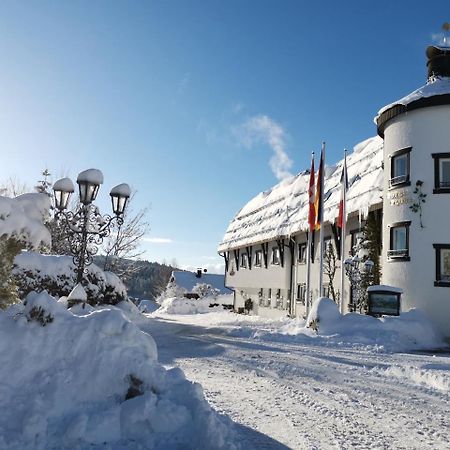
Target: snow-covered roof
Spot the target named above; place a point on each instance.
(283, 210)
(187, 280)
(436, 86)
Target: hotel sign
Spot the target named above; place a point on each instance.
(399, 197)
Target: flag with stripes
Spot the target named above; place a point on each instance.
(311, 197)
(344, 188)
(318, 201)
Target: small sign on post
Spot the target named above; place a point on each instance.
(384, 300)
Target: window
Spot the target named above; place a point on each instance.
(326, 290)
(302, 253)
(261, 297)
(244, 260)
(442, 264)
(279, 299)
(301, 292)
(258, 258)
(400, 164)
(276, 256)
(399, 241)
(441, 173)
(267, 299)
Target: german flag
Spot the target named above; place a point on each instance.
(311, 197)
(318, 202)
(344, 187)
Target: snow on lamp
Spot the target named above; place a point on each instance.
(89, 182)
(120, 195)
(63, 189)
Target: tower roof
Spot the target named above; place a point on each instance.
(436, 92)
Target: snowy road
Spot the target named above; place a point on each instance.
(307, 396)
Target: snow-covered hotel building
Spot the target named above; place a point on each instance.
(265, 244)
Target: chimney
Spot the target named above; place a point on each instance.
(438, 61)
(439, 56)
(199, 273)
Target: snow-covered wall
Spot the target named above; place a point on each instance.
(426, 131)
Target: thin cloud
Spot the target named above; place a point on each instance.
(158, 240)
(262, 129)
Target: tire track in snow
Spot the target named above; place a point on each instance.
(310, 397)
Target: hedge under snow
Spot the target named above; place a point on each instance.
(22, 217)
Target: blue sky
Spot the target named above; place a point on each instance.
(188, 101)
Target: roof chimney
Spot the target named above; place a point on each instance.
(439, 56)
(438, 61)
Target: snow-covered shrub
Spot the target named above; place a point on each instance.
(56, 275)
(92, 380)
(172, 290)
(183, 305)
(21, 226)
(323, 315)
(205, 290)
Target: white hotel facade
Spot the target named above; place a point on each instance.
(265, 244)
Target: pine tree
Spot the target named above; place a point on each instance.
(372, 242)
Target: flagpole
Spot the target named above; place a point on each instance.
(343, 229)
(320, 217)
(311, 223)
(308, 271)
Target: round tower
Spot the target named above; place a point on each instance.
(416, 200)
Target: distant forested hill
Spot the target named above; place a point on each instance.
(143, 279)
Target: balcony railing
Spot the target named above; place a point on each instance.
(401, 253)
(398, 180)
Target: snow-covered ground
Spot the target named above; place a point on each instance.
(89, 378)
(289, 387)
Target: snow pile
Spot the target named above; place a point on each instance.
(435, 376)
(93, 381)
(183, 305)
(283, 210)
(21, 218)
(148, 306)
(56, 274)
(326, 326)
(411, 330)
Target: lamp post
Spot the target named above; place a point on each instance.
(85, 226)
(360, 275)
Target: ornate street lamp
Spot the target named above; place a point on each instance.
(360, 274)
(85, 226)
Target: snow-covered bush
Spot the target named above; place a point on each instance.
(21, 226)
(92, 380)
(324, 315)
(183, 305)
(56, 275)
(205, 290)
(172, 290)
